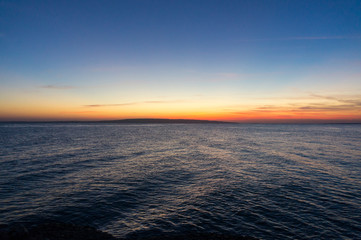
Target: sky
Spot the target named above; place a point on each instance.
(242, 61)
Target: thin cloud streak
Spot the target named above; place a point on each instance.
(332, 105)
(109, 105)
(228, 75)
(309, 38)
(57, 87)
(131, 103)
(322, 38)
(77, 112)
(306, 108)
(111, 68)
(317, 107)
(160, 101)
(354, 102)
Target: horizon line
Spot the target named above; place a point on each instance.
(256, 121)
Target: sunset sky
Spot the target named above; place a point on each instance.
(244, 61)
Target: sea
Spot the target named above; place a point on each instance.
(268, 181)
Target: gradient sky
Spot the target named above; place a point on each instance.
(246, 61)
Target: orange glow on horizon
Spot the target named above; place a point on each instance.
(245, 116)
(307, 109)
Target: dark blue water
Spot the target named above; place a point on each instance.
(266, 181)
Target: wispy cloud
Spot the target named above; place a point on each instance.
(164, 101)
(76, 112)
(326, 107)
(315, 104)
(355, 100)
(307, 108)
(132, 103)
(57, 87)
(228, 74)
(321, 38)
(303, 38)
(110, 105)
(109, 68)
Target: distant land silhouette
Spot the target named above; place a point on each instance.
(160, 120)
(135, 121)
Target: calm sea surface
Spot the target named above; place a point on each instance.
(266, 181)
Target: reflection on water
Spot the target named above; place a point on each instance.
(266, 181)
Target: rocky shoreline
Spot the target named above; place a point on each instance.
(66, 231)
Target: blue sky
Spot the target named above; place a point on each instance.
(73, 54)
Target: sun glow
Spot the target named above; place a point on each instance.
(213, 62)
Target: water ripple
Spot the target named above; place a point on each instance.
(266, 181)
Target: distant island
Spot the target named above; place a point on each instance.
(160, 120)
(136, 121)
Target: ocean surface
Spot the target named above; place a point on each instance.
(266, 181)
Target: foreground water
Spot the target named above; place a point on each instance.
(265, 181)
